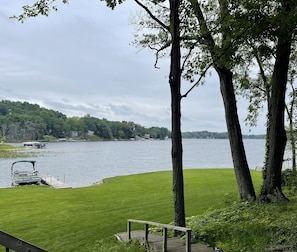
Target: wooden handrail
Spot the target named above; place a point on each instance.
(165, 228)
(16, 244)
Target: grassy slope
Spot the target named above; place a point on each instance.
(74, 219)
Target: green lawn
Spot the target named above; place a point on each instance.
(10, 151)
(74, 219)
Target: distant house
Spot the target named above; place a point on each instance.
(74, 133)
(90, 133)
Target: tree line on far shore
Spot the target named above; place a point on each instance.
(23, 121)
(216, 135)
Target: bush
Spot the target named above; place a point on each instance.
(247, 227)
(289, 178)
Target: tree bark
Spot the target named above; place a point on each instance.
(175, 85)
(290, 113)
(293, 147)
(241, 168)
(271, 188)
(276, 130)
(242, 173)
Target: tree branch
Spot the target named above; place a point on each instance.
(166, 45)
(152, 16)
(40, 7)
(197, 82)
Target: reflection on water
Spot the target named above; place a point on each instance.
(84, 163)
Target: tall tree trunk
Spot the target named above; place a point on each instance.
(271, 188)
(277, 139)
(293, 147)
(242, 173)
(175, 85)
(241, 168)
(290, 113)
(291, 131)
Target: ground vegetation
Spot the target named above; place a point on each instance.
(10, 151)
(85, 219)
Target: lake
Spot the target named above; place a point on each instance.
(84, 163)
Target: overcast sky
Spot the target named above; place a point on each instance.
(80, 61)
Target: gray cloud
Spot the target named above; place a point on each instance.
(79, 61)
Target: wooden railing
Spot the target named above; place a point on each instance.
(10, 242)
(165, 234)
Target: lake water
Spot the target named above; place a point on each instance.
(84, 163)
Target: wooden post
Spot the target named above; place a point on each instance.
(146, 231)
(188, 241)
(129, 230)
(164, 239)
(165, 227)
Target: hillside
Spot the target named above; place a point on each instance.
(23, 121)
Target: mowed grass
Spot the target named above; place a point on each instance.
(10, 151)
(74, 219)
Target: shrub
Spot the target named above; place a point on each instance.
(289, 178)
(247, 227)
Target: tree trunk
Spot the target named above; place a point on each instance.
(292, 133)
(176, 151)
(242, 172)
(293, 148)
(290, 113)
(277, 139)
(271, 188)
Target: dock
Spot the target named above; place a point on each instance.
(155, 241)
(53, 182)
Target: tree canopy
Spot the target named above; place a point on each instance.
(21, 121)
